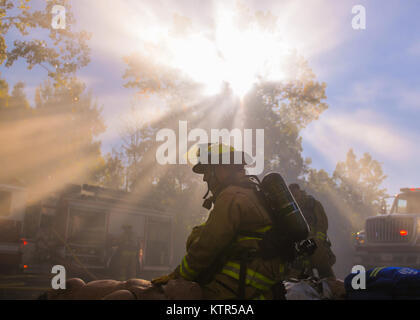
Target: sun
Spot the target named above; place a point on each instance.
(237, 57)
(227, 54)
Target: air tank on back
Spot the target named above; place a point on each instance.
(285, 210)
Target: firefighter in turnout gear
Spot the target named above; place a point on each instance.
(222, 253)
(323, 258)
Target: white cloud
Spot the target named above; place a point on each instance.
(335, 133)
(372, 92)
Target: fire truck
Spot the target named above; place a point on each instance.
(392, 238)
(77, 226)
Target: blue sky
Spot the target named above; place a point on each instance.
(375, 90)
(372, 75)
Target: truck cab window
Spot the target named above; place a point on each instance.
(414, 203)
(401, 205)
(409, 203)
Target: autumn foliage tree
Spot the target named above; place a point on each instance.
(283, 109)
(359, 183)
(351, 194)
(52, 141)
(61, 52)
(113, 173)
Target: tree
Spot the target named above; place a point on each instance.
(18, 98)
(283, 110)
(349, 195)
(113, 172)
(14, 106)
(63, 53)
(4, 94)
(359, 183)
(53, 143)
(79, 117)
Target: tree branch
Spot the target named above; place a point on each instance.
(9, 18)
